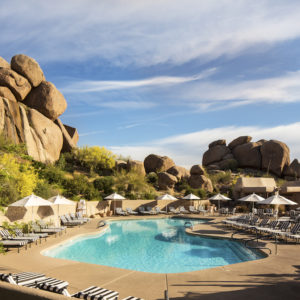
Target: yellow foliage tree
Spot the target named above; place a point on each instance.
(22, 174)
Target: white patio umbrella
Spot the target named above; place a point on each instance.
(166, 197)
(58, 200)
(277, 200)
(252, 198)
(219, 197)
(114, 197)
(191, 197)
(31, 201)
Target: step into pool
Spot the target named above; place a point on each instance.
(154, 245)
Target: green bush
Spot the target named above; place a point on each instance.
(221, 178)
(46, 190)
(152, 178)
(104, 185)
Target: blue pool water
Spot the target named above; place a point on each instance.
(156, 245)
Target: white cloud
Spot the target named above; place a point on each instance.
(88, 86)
(187, 149)
(144, 32)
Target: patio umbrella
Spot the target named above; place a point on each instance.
(192, 197)
(252, 198)
(219, 197)
(31, 201)
(277, 200)
(166, 197)
(58, 199)
(114, 197)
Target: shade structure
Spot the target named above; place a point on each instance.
(219, 197)
(166, 197)
(252, 198)
(114, 197)
(191, 197)
(31, 201)
(277, 200)
(58, 199)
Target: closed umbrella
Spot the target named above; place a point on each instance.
(252, 198)
(166, 197)
(219, 197)
(31, 201)
(114, 197)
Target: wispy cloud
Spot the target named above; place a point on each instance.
(88, 86)
(187, 149)
(91, 133)
(145, 32)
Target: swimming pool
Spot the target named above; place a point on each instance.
(153, 245)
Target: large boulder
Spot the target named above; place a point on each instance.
(214, 154)
(47, 99)
(73, 133)
(179, 172)
(5, 92)
(4, 63)
(11, 124)
(293, 170)
(137, 166)
(248, 155)
(18, 84)
(43, 138)
(200, 181)
(197, 170)
(156, 163)
(166, 181)
(29, 68)
(239, 141)
(68, 142)
(275, 156)
(228, 164)
(120, 165)
(217, 142)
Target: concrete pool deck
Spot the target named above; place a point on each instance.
(274, 277)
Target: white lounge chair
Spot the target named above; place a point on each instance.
(120, 212)
(130, 211)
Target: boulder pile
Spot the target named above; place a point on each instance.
(29, 110)
(169, 174)
(271, 156)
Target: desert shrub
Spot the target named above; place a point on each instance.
(221, 178)
(132, 182)
(52, 174)
(8, 146)
(149, 196)
(45, 190)
(104, 185)
(94, 158)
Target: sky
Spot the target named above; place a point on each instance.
(167, 76)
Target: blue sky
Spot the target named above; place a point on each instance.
(167, 76)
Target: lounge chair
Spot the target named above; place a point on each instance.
(182, 210)
(95, 292)
(130, 211)
(143, 211)
(159, 211)
(121, 212)
(22, 278)
(79, 215)
(42, 228)
(69, 219)
(11, 244)
(294, 232)
(152, 212)
(201, 209)
(7, 236)
(173, 210)
(193, 210)
(69, 223)
(41, 236)
(75, 218)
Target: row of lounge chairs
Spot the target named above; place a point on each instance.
(40, 281)
(72, 219)
(265, 212)
(156, 210)
(283, 229)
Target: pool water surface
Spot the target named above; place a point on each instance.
(154, 245)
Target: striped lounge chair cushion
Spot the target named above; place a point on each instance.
(23, 278)
(95, 293)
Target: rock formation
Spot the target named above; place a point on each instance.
(156, 163)
(29, 110)
(271, 156)
(166, 181)
(137, 166)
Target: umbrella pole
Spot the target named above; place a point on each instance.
(32, 218)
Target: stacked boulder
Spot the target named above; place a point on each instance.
(169, 174)
(271, 156)
(29, 110)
